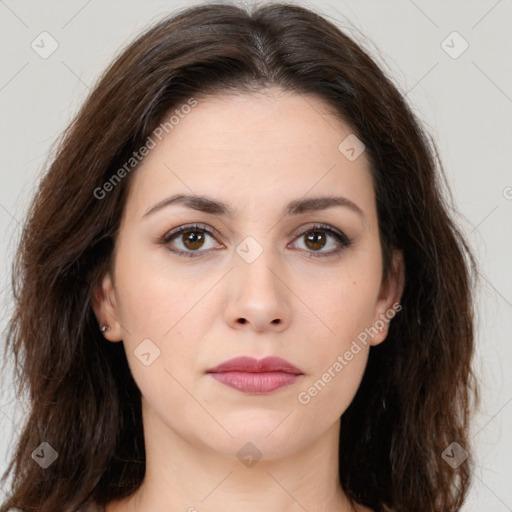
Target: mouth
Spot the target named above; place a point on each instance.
(256, 376)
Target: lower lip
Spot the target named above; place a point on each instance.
(259, 383)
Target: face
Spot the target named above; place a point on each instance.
(269, 277)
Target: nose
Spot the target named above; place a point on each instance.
(258, 296)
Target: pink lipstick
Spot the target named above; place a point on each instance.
(257, 376)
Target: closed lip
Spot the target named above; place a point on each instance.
(252, 365)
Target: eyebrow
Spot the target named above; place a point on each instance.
(215, 207)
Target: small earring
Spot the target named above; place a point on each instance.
(105, 328)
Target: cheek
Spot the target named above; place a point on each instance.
(170, 308)
(327, 395)
(344, 310)
(343, 307)
(339, 358)
(153, 295)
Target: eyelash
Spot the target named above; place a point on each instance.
(341, 238)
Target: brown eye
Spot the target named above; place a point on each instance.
(318, 237)
(192, 239)
(315, 240)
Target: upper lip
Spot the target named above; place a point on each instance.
(249, 364)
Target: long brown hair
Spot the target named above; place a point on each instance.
(415, 397)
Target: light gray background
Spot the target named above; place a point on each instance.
(465, 102)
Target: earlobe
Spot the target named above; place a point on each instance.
(390, 295)
(105, 309)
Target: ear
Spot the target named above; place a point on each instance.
(388, 302)
(106, 309)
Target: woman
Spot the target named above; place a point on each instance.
(239, 285)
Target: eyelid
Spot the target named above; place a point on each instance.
(190, 227)
(324, 227)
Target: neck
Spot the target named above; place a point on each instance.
(181, 475)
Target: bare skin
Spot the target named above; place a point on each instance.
(257, 153)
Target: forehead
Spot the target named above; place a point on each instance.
(264, 149)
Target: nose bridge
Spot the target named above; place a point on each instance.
(256, 264)
(258, 294)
